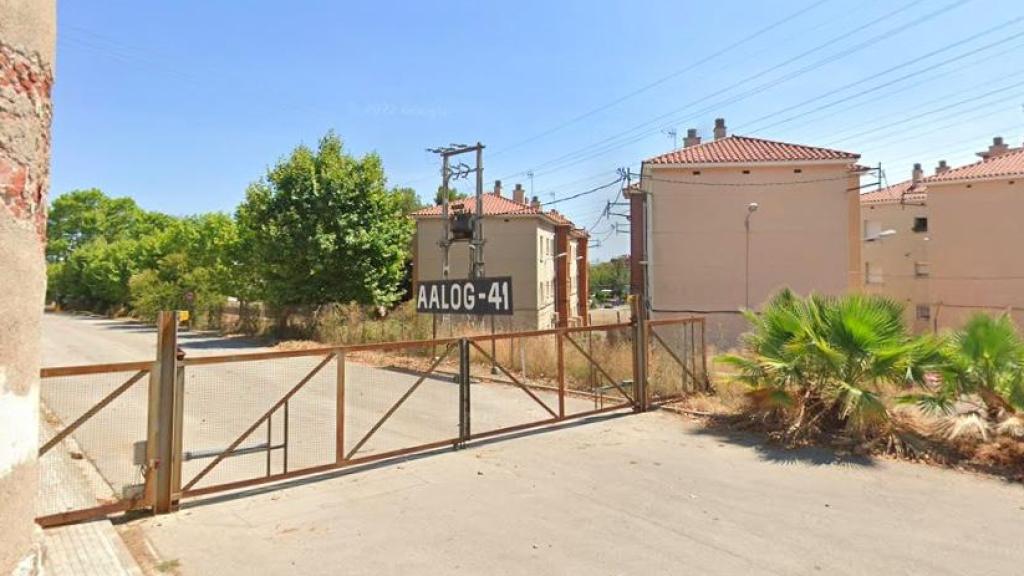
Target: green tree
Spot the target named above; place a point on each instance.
(80, 216)
(95, 275)
(611, 275)
(322, 227)
(408, 200)
(453, 195)
(192, 267)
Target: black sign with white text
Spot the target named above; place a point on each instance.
(490, 296)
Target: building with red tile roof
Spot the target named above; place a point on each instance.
(544, 252)
(724, 224)
(954, 246)
(747, 150)
(997, 163)
(894, 233)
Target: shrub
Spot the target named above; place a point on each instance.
(983, 361)
(823, 364)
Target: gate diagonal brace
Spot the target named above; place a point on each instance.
(91, 412)
(399, 403)
(674, 356)
(231, 448)
(515, 380)
(600, 369)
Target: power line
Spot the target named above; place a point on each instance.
(910, 62)
(983, 105)
(581, 154)
(810, 119)
(586, 192)
(663, 79)
(949, 154)
(987, 107)
(615, 146)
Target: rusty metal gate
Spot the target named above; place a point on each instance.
(164, 431)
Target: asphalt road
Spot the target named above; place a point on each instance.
(638, 494)
(223, 400)
(635, 494)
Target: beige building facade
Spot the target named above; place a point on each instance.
(972, 244)
(543, 252)
(731, 221)
(895, 237)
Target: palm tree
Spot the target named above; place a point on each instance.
(822, 363)
(984, 359)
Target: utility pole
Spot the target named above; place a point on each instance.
(477, 244)
(458, 171)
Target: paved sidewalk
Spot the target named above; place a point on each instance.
(91, 548)
(87, 549)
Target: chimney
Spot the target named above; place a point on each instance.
(518, 194)
(917, 174)
(535, 203)
(997, 148)
(497, 187)
(719, 128)
(942, 168)
(691, 138)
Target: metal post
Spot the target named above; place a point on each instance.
(561, 374)
(751, 208)
(270, 439)
(446, 241)
(704, 358)
(494, 349)
(179, 419)
(478, 217)
(161, 429)
(464, 400)
(640, 356)
(284, 457)
(339, 409)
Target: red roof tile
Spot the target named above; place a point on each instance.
(496, 205)
(1005, 165)
(744, 150)
(905, 191)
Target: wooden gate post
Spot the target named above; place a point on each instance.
(163, 436)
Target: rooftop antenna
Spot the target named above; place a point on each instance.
(674, 135)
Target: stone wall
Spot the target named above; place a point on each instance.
(27, 41)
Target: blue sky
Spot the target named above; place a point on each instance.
(180, 105)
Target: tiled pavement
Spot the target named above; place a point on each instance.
(91, 548)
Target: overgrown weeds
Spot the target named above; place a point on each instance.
(844, 371)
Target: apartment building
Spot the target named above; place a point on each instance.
(542, 250)
(895, 235)
(724, 224)
(968, 238)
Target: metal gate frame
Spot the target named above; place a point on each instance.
(165, 488)
(138, 370)
(696, 326)
(562, 336)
